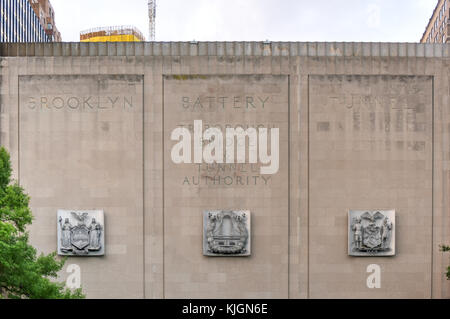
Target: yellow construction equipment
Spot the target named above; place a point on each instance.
(112, 34)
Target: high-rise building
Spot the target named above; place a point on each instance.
(438, 29)
(112, 34)
(44, 10)
(20, 23)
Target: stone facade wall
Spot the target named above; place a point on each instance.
(361, 126)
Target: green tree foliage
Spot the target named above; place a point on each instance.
(23, 274)
(446, 249)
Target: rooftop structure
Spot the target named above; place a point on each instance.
(112, 34)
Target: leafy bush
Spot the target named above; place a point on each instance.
(23, 274)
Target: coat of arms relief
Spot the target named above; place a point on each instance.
(226, 233)
(371, 233)
(81, 233)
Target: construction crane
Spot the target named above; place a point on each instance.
(152, 18)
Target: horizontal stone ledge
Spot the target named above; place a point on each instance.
(309, 49)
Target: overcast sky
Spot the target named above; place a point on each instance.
(256, 20)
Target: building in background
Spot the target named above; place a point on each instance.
(44, 10)
(20, 23)
(112, 34)
(438, 29)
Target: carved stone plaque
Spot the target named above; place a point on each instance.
(371, 233)
(226, 233)
(81, 233)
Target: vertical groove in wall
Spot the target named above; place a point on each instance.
(18, 130)
(143, 187)
(308, 194)
(289, 186)
(163, 201)
(432, 184)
